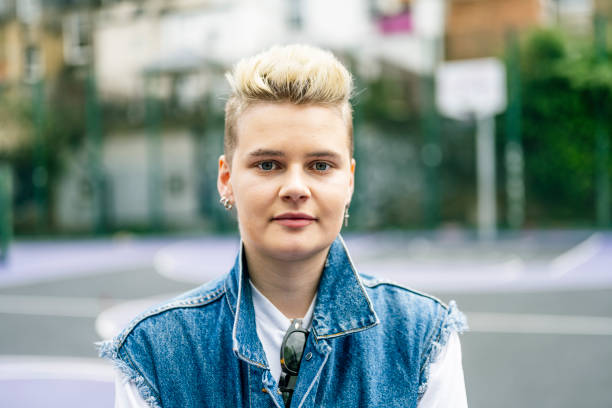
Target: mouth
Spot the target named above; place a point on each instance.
(294, 216)
(294, 220)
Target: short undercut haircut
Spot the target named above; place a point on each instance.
(298, 74)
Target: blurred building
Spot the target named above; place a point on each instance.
(177, 52)
(604, 7)
(478, 28)
(126, 202)
(145, 75)
(132, 37)
(31, 50)
(31, 42)
(573, 15)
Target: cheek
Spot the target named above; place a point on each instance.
(333, 196)
(251, 195)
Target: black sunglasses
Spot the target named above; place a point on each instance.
(291, 352)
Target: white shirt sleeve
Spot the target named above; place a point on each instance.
(126, 395)
(446, 386)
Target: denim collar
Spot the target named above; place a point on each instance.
(343, 306)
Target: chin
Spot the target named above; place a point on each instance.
(298, 248)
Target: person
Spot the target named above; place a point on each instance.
(293, 323)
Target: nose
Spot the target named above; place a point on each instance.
(294, 188)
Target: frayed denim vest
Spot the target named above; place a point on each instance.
(370, 345)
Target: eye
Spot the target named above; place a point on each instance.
(267, 165)
(321, 166)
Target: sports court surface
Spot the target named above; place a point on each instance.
(539, 305)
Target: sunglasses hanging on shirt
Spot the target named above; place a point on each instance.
(291, 352)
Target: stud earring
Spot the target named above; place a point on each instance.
(346, 216)
(226, 203)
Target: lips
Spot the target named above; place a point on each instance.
(294, 220)
(294, 216)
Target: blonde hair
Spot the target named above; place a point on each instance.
(299, 74)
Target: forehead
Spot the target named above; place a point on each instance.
(288, 126)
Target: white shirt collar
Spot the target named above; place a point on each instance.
(268, 314)
(271, 325)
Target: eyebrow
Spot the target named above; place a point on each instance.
(266, 152)
(279, 153)
(324, 153)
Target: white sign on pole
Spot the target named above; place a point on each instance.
(476, 89)
(471, 88)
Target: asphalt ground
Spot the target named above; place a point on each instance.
(531, 348)
(517, 368)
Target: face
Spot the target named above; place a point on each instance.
(290, 179)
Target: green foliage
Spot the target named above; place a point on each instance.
(49, 119)
(541, 54)
(564, 89)
(388, 103)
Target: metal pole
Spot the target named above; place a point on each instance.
(602, 136)
(40, 175)
(211, 145)
(6, 211)
(485, 158)
(154, 156)
(515, 186)
(295, 16)
(431, 154)
(94, 151)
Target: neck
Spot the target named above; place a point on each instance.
(289, 285)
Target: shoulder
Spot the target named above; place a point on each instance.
(396, 304)
(201, 300)
(429, 321)
(390, 292)
(146, 342)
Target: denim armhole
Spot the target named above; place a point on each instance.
(123, 363)
(452, 320)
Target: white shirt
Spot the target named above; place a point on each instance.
(271, 326)
(445, 389)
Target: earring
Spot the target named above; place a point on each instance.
(346, 216)
(226, 203)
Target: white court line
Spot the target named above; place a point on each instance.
(112, 320)
(54, 305)
(576, 256)
(48, 367)
(165, 264)
(519, 323)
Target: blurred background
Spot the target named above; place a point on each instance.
(482, 140)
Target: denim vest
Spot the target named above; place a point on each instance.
(370, 345)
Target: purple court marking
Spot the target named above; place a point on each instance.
(197, 261)
(54, 382)
(31, 262)
(48, 393)
(523, 263)
(433, 261)
(600, 263)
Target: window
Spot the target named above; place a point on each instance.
(33, 64)
(77, 39)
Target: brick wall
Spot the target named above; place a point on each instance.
(604, 7)
(477, 28)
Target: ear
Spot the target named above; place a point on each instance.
(224, 185)
(351, 182)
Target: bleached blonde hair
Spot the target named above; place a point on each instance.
(299, 74)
